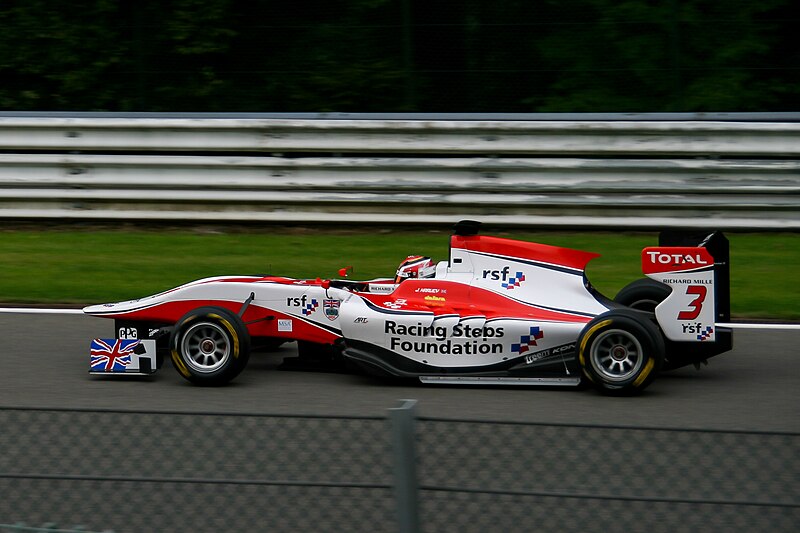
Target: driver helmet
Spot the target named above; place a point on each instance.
(415, 266)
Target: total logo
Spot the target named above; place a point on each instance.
(306, 307)
(507, 281)
(676, 259)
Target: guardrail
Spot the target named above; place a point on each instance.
(609, 173)
(404, 136)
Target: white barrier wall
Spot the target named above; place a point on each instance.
(600, 173)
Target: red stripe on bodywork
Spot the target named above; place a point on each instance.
(256, 318)
(448, 297)
(544, 253)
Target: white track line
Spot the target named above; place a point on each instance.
(37, 311)
(41, 311)
(737, 325)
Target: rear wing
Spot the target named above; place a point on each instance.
(716, 244)
(696, 266)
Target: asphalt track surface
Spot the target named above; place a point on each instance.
(756, 387)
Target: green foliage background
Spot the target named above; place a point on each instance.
(399, 55)
(62, 266)
(381, 56)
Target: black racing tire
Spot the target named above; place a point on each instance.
(209, 346)
(643, 295)
(621, 352)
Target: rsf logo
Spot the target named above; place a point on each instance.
(703, 332)
(302, 302)
(504, 277)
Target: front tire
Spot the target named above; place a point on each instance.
(621, 352)
(210, 346)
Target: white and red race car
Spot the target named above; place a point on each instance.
(497, 312)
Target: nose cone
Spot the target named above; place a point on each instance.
(115, 308)
(99, 309)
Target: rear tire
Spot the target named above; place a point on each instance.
(621, 352)
(643, 295)
(210, 346)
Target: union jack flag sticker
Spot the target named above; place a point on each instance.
(331, 308)
(112, 355)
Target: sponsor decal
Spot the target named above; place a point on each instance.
(544, 354)
(503, 275)
(526, 341)
(310, 308)
(306, 308)
(675, 259)
(361, 320)
(396, 304)
(514, 282)
(285, 324)
(670, 281)
(127, 333)
(464, 340)
(448, 347)
(703, 332)
(382, 288)
(112, 355)
(331, 308)
(435, 300)
(430, 290)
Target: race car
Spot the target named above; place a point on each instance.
(497, 312)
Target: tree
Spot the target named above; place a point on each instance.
(399, 55)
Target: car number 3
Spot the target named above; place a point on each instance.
(696, 305)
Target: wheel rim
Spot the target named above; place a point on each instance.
(617, 355)
(205, 347)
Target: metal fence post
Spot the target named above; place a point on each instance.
(405, 465)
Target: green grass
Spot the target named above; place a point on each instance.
(67, 266)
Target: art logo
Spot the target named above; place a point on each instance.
(112, 355)
(526, 341)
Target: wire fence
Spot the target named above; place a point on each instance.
(176, 471)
